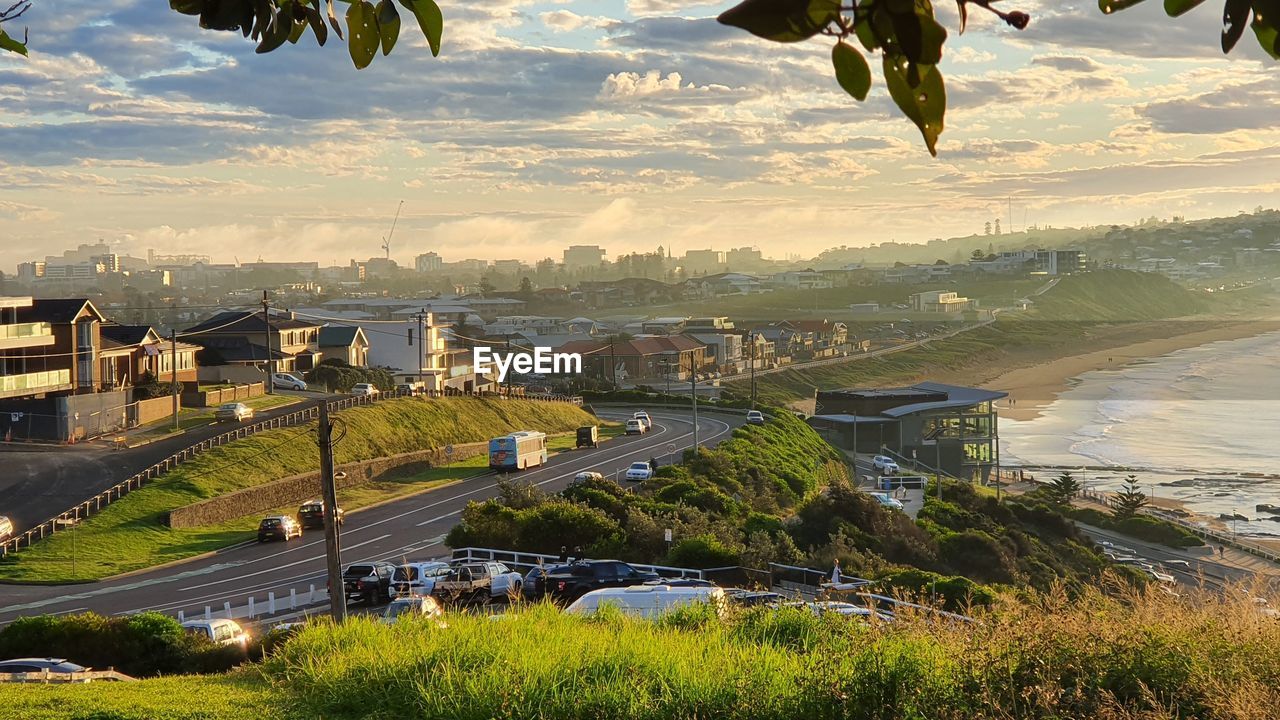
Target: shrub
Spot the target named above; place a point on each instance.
(705, 551)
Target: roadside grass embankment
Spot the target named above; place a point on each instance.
(1065, 320)
(1121, 655)
(131, 533)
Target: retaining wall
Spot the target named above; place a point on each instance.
(296, 489)
(213, 398)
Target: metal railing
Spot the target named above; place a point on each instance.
(528, 561)
(72, 516)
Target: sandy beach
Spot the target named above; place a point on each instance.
(1034, 386)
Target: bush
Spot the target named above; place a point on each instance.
(705, 551)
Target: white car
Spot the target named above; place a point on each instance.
(233, 412)
(885, 464)
(219, 630)
(887, 501)
(755, 417)
(647, 601)
(643, 417)
(636, 427)
(587, 476)
(285, 381)
(363, 389)
(416, 605)
(417, 578)
(639, 470)
(6, 528)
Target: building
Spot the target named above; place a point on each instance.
(800, 280)
(724, 350)
(744, 258)
(132, 353)
(241, 337)
(346, 343)
(702, 262)
(940, 301)
(25, 343)
(657, 359)
(509, 267)
(75, 324)
(413, 348)
(821, 338)
(579, 257)
(945, 426)
(428, 262)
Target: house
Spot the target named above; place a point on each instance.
(73, 355)
(800, 280)
(762, 356)
(663, 325)
(824, 338)
(939, 301)
(131, 352)
(25, 344)
(722, 284)
(240, 338)
(656, 358)
(725, 350)
(413, 350)
(787, 344)
(346, 343)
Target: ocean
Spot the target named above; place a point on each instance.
(1200, 425)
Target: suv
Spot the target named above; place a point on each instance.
(643, 417)
(417, 578)
(636, 426)
(281, 527)
(884, 464)
(369, 582)
(567, 583)
(311, 514)
(477, 582)
(360, 389)
(219, 630)
(755, 417)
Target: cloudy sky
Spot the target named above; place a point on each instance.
(624, 123)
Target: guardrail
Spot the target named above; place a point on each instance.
(530, 560)
(46, 677)
(69, 518)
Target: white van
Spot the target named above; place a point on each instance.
(647, 601)
(219, 630)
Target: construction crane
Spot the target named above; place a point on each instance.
(386, 241)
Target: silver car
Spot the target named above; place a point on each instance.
(233, 412)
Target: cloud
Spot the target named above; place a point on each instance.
(1234, 106)
(565, 20)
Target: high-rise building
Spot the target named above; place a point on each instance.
(698, 262)
(428, 262)
(583, 256)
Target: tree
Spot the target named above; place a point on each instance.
(986, 231)
(977, 254)
(526, 288)
(1063, 489)
(1128, 501)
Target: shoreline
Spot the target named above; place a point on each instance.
(1032, 388)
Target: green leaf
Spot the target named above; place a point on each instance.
(12, 45)
(925, 105)
(388, 25)
(429, 19)
(187, 7)
(295, 32)
(852, 71)
(1264, 28)
(1235, 15)
(278, 32)
(782, 20)
(866, 35)
(1174, 8)
(333, 21)
(316, 22)
(362, 29)
(1110, 6)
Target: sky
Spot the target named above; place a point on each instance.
(629, 124)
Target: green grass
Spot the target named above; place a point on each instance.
(1122, 655)
(130, 534)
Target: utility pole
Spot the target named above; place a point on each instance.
(173, 378)
(613, 364)
(266, 322)
(422, 342)
(751, 338)
(693, 384)
(509, 374)
(332, 546)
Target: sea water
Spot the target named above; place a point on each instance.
(1200, 425)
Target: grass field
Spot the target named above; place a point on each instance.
(130, 534)
(1107, 656)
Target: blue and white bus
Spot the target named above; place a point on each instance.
(518, 450)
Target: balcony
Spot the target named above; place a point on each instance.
(34, 383)
(25, 335)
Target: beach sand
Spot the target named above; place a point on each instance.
(1034, 386)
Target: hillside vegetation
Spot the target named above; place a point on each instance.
(1061, 318)
(1119, 656)
(131, 533)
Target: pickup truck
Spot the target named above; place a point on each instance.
(476, 583)
(566, 583)
(368, 582)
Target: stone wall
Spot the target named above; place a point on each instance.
(296, 489)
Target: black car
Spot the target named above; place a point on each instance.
(311, 514)
(532, 587)
(368, 582)
(281, 527)
(569, 582)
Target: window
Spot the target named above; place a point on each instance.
(222, 632)
(978, 452)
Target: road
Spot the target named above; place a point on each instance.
(41, 481)
(411, 528)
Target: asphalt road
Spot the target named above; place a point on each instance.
(412, 528)
(39, 482)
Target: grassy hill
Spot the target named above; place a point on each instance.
(131, 533)
(1098, 656)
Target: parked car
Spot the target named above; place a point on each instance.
(647, 601)
(639, 470)
(233, 412)
(311, 514)
(588, 436)
(478, 582)
(587, 475)
(752, 598)
(285, 381)
(364, 389)
(6, 528)
(887, 501)
(533, 587)
(220, 630)
(636, 427)
(885, 464)
(643, 417)
(369, 583)
(409, 389)
(755, 417)
(412, 606)
(279, 527)
(417, 578)
(570, 582)
(55, 666)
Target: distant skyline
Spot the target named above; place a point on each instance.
(627, 124)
